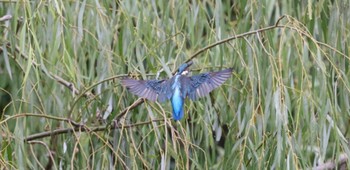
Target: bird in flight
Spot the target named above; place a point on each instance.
(177, 88)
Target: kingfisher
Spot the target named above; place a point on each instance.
(178, 87)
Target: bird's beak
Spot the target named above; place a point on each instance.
(189, 63)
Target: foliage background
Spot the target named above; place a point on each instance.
(286, 105)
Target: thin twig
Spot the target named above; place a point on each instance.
(52, 160)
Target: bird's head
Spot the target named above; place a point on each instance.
(183, 69)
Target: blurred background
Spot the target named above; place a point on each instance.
(286, 105)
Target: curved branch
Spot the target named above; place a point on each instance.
(235, 37)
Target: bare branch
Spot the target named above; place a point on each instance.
(84, 128)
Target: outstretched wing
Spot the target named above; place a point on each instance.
(150, 89)
(202, 84)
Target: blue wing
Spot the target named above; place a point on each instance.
(150, 89)
(203, 84)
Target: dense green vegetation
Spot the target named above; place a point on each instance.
(285, 106)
